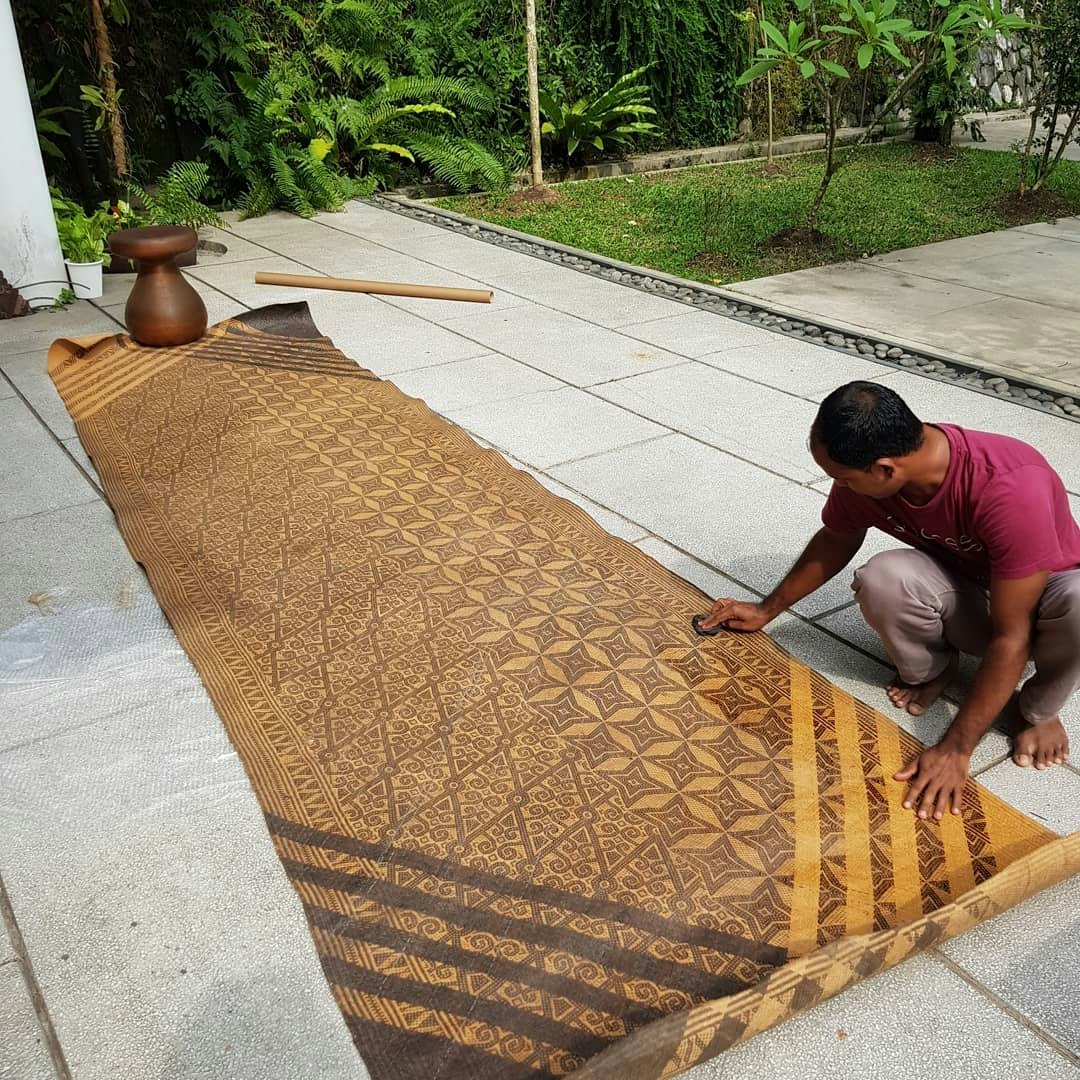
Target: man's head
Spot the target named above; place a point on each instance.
(863, 437)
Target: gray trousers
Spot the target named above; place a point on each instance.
(924, 613)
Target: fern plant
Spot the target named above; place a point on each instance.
(612, 119)
(176, 197)
(307, 115)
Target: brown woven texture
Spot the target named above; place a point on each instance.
(538, 827)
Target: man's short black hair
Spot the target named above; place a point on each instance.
(862, 422)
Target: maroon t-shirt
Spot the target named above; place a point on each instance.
(1002, 511)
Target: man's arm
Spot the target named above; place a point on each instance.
(825, 556)
(937, 776)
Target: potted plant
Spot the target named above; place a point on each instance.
(121, 215)
(82, 240)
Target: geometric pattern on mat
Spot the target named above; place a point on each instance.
(536, 824)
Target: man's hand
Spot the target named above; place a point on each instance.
(936, 780)
(735, 615)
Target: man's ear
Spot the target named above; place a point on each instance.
(884, 468)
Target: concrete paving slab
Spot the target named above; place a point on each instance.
(849, 624)
(1063, 229)
(763, 426)
(555, 426)
(1004, 301)
(30, 379)
(745, 522)
(857, 292)
(1010, 336)
(1029, 957)
(711, 582)
(37, 474)
(40, 330)
(571, 349)
(612, 523)
(1051, 796)
(1035, 268)
(918, 1019)
(75, 448)
(377, 335)
(24, 1054)
(604, 303)
(165, 936)
(465, 383)
(923, 259)
(467, 255)
(797, 367)
(238, 248)
(65, 559)
(1058, 440)
(341, 254)
(6, 389)
(696, 333)
(278, 225)
(373, 223)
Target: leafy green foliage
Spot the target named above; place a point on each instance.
(176, 198)
(698, 44)
(664, 221)
(303, 108)
(956, 31)
(1055, 116)
(614, 118)
(82, 235)
(44, 120)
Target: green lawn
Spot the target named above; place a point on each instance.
(709, 223)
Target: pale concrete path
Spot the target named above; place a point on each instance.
(164, 936)
(1008, 302)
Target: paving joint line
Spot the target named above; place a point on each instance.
(60, 443)
(923, 361)
(33, 988)
(1052, 1041)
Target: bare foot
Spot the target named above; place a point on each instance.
(917, 698)
(1041, 745)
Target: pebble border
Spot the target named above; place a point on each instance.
(879, 350)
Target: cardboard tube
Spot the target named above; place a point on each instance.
(386, 288)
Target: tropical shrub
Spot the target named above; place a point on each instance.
(82, 235)
(613, 119)
(843, 33)
(311, 116)
(1055, 115)
(176, 197)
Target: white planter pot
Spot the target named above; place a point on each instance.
(85, 279)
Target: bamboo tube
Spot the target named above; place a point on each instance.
(385, 288)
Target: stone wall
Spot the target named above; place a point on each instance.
(1004, 69)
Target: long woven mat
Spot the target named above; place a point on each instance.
(538, 827)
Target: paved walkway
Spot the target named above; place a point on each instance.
(1008, 301)
(160, 929)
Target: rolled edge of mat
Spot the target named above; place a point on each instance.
(707, 1030)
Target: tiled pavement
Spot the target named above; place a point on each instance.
(164, 938)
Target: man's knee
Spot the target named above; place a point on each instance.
(1061, 604)
(888, 576)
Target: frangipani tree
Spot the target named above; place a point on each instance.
(837, 35)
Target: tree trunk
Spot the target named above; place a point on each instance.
(830, 163)
(108, 85)
(534, 94)
(768, 85)
(1050, 166)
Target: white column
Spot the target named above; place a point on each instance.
(29, 248)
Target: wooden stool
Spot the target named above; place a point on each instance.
(163, 308)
